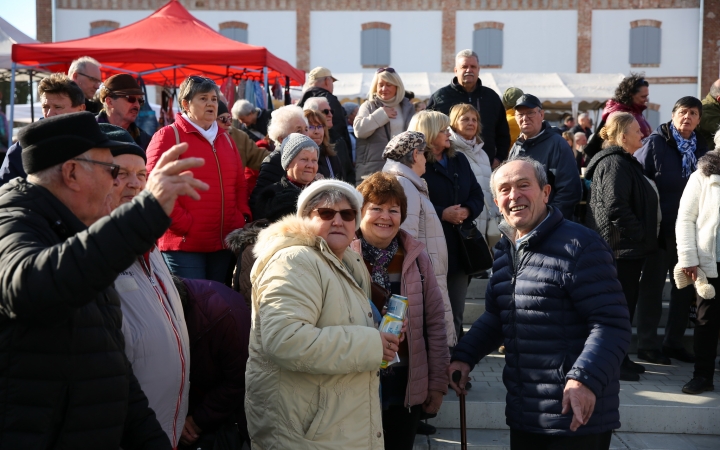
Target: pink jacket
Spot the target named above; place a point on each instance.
(428, 360)
(636, 110)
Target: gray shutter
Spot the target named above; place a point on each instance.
(236, 34)
(652, 45)
(637, 45)
(368, 47)
(383, 47)
(481, 46)
(652, 117)
(495, 47)
(100, 30)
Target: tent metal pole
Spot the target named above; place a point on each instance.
(268, 98)
(32, 99)
(12, 103)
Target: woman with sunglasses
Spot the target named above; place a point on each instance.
(386, 114)
(194, 246)
(399, 263)
(315, 352)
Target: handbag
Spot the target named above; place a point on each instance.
(492, 230)
(474, 253)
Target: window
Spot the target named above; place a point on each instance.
(645, 39)
(652, 115)
(375, 45)
(488, 43)
(237, 31)
(103, 26)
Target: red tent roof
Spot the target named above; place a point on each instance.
(151, 47)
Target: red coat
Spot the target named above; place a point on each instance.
(201, 226)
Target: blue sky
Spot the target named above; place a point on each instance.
(20, 13)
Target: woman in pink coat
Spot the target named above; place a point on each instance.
(398, 262)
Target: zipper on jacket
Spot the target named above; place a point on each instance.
(222, 197)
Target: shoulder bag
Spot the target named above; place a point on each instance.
(474, 253)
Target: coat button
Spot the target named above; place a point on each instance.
(379, 434)
(370, 315)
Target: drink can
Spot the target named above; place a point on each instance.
(397, 306)
(391, 324)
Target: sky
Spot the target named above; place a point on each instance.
(20, 13)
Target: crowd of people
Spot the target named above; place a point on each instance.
(222, 281)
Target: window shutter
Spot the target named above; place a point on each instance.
(383, 47)
(236, 34)
(369, 47)
(488, 44)
(652, 45)
(637, 45)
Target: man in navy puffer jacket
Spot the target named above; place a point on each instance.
(555, 302)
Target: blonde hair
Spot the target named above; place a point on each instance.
(616, 125)
(459, 110)
(431, 124)
(388, 77)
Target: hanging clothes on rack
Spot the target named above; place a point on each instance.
(241, 89)
(259, 96)
(250, 92)
(228, 90)
(277, 90)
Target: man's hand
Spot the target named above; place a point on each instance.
(172, 177)
(433, 402)
(464, 369)
(191, 432)
(582, 401)
(390, 344)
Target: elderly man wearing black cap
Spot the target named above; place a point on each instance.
(122, 98)
(68, 381)
(538, 141)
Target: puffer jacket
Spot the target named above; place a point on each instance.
(156, 339)
(429, 355)
(201, 226)
(480, 165)
(662, 163)
(423, 223)
(699, 217)
(559, 309)
(372, 129)
(312, 379)
(623, 203)
(277, 200)
(65, 379)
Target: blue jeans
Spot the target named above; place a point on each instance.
(200, 266)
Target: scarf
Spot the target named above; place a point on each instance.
(393, 102)
(687, 149)
(209, 134)
(379, 260)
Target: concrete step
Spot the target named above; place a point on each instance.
(449, 439)
(655, 404)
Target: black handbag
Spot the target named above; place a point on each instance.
(474, 253)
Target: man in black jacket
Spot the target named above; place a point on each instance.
(64, 374)
(320, 84)
(122, 98)
(466, 87)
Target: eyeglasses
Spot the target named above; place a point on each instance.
(327, 112)
(225, 119)
(93, 79)
(528, 115)
(114, 168)
(315, 127)
(130, 98)
(386, 69)
(199, 79)
(347, 215)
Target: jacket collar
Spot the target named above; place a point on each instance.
(458, 87)
(664, 131)
(133, 129)
(411, 246)
(541, 232)
(545, 133)
(182, 123)
(399, 169)
(709, 164)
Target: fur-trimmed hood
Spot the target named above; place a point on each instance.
(710, 163)
(237, 240)
(288, 231)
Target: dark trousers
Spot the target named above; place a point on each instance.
(629, 271)
(522, 440)
(705, 340)
(400, 426)
(457, 285)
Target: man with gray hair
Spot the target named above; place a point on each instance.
(554, 301)
(466, 87)
(250, 119)
(710, 118)
(320, 83)
(85, 71)
(584, 125)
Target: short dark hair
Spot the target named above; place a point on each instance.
(630, 86)
(380, 188)
(59, 83)
(688, 102)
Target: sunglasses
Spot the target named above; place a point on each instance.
(386, 69)
(347, 215)
(326, 111)
(93, 79)
(199, 79)
(225, 119)
(315, 127)
(131, 98)
(114, 168)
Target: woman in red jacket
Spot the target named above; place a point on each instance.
(194, 246)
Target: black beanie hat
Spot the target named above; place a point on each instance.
(116, 133)
(222, 108)
(53, 141)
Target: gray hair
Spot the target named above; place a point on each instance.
(278, 128)
(715, 89)
(189, 88)
(53, 174)
(350, 107)
(467, 53)
(578, 134)
(540, 173)
(313, 103)
(330, 196)
(80, 64)
(407, 159)
(243, 108)
(583, 116)
(717, 140)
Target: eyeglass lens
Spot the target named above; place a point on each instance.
(347, 215)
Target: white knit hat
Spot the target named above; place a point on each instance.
(702, 287)
(355, 198)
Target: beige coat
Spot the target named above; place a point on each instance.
(423, 223)
(312, 379)
(251, 155)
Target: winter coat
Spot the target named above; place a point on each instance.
(512, 125)
(277, 200)
(201, 226)
(422, 223)
(242, 242)
(139, 135)
(496, 133)
(699, 217)
(156, 339)
(662, 163)
(710, 121)
(372, 128)
(312, 378)
(429, 355)
(12, 164)
(251, 156)
(553, 152)
(480, 165)
(218, 322)
(623, 203)
(63, 352)
(558, 307)
(339, 120)
(441, 189)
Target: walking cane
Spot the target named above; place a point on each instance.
(463, 428)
